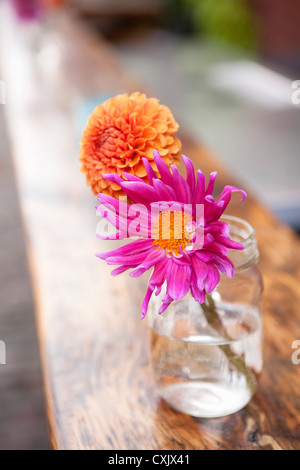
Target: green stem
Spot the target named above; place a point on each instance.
(214, 320)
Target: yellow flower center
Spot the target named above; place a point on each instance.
(170, 231)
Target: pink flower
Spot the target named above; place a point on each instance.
(28, 9)
(193, 254)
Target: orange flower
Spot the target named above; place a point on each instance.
(122, 131)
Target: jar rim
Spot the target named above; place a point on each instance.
(243, 223)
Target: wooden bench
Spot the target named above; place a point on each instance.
(100, 390)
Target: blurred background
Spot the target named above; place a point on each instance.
(228, 69)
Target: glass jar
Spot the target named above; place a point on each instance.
(207, 357)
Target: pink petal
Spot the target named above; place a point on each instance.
(163, 191)
(218, 227)
(228, 243)
(213, 278)
(114, 177)
(139, 192)
(158, 290)
(120, 270)
(154, 257)
(226, 195)
(146, 303)
(200, 271)
(209, 208)
(133, 177)
(150, 172)
(203, 255)
(218, 248)
(163, 169)
(120, 207)
(190, 174)
(159, 274)
(179, 278)
(181, 187)
(200, 188)
(211, 183)
(138, 246)
(127, 260)
(166, 301)
(199, 295)
(224, 264)
(208, 240)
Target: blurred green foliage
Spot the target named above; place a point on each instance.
(178, 16)
(226, 20)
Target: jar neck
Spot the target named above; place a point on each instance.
(242, 232)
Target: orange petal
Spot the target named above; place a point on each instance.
(163, 152)
(144, 121)
(134, 159)
(168, 159)
(132, 119)
(169, 139)
(119, 122)
(149, 152)
(154, 167)
(173, 148)
(114, 186)
(137, 131)
(120, 193)
(151, 107)
(122, 163)
(105, 191)
(161, 139)
(149, 133)
(140, 170)
(160, 126)
(177, 142)
(103, 183)
(139, 143)
(127, 154)
(173, 127)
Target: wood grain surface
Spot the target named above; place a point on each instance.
(99, 385)
(22, 405)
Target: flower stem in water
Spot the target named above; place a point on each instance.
(214, 321)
